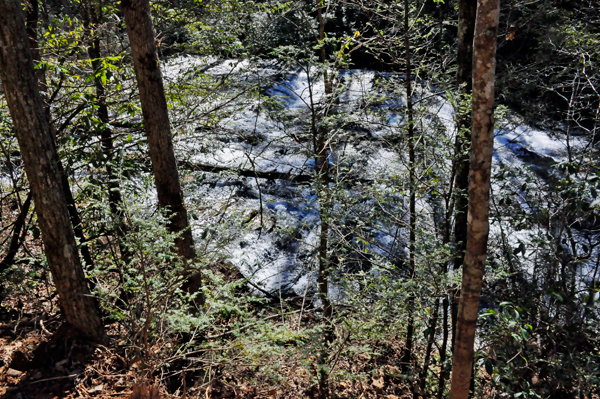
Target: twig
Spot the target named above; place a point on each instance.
(302, 307)
(44, 328)
(260, 201)
(250, 325)
(55, 378)
(513, 358)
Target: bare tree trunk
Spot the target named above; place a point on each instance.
(156, 120)
(444, 369)
(17, 238)
(467, 10)
(443, 349)
(32, 8)
(322, 164)
(430, 340)
(464, 59)
(91, 15)
(75, 218)
(322, 168)
(407, 358)
(484, 67)
(43, 171)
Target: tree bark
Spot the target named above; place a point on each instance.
(321, 155)
(467, 10)
(443, 369)
(17, 238)
(156, 120)
(484, 67)
(464, 60)
(42, 167)
(32, 9)
(74, 216)
(91, 15)
(430, 340)
(407, 358)
(32, 17)
(322, 167)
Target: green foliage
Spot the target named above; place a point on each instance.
(538, 329)
(524, 357)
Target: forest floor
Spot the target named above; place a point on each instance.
(42, 358)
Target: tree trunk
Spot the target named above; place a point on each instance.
(92, 14)
(407, 358)
(42, 167)
(74, 217)
(464, 60)
(430, 340)
(322, 168)
(443, 368)
(467, 10)
(17, 238)
(156, 120)
(32, 8)
(484, 66)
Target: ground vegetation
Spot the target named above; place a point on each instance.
(326, 199)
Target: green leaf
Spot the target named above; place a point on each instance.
(489, 366)
(559, 297)
(489, 312)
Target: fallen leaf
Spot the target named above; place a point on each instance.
(97, 388)
(378, 383)
(13, 372)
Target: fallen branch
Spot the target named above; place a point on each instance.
(272, 175)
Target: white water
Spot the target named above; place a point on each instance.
(284, 258)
